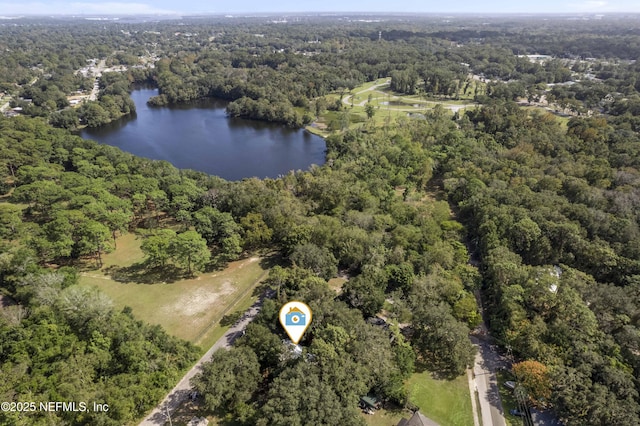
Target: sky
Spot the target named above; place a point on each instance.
(96, 7)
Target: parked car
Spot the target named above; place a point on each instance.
(517, 413)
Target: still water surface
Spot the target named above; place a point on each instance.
(200, 136)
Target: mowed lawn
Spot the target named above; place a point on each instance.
(187, 308)
(446, 402)
(386, 417)
(388, 105)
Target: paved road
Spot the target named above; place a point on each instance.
(487, 362)
(484, 371)
(97, 73)
(180, 393)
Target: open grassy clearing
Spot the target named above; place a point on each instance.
(336, 284)
(386, 417)
(562, 119)
(127, 252)
(444, 401)
(388, 106)
(187, 308)
(369, 85)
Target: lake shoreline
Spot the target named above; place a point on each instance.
(200, 136)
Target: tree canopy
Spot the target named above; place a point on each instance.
(537, 185)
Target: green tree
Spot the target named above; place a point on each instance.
(93, 238)
(10, 221)
(441, 340)
(93, 114)
(364, 294)
(41, 195)
(405, 355)
(318, 259)
(229, 380)
(157, 247)
(230, 247)
(67, 119)
(55, 239)
(255, 231)
(400, 276)
(220, 230)
(190, 251)
(320, 405)
(267, 346)
(370, 110)
(466, 309)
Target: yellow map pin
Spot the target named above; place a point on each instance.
(295, 317)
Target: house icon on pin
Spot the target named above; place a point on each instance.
(295, 317)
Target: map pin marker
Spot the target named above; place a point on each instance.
(295, 317)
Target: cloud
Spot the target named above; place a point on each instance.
(81, 8)
(595, 4)
(605, 6)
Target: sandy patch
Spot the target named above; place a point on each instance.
(248, 262)
(199, 301)
(239, 264)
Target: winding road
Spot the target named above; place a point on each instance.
(346, 99)
(180, 393)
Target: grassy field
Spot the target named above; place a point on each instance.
(562, 119)
(388, 106)
(444, 401)
(187, 308)
(386, 417)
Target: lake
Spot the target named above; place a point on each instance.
(200, 136)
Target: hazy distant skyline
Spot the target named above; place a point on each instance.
(97, 7)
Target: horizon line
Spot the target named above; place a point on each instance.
(321, 13)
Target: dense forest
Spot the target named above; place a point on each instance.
(547, 207)
(282, 73)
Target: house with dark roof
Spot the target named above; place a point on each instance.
(418, 419)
